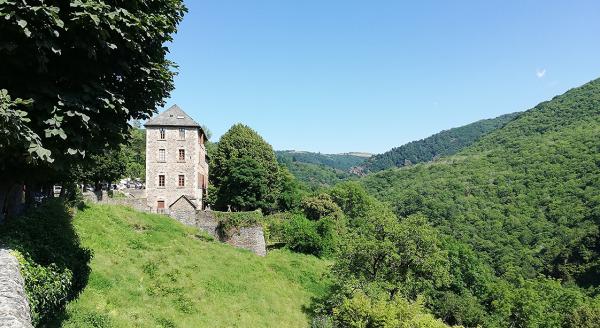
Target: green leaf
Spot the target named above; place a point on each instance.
(22, 23)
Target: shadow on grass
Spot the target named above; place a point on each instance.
(56, 267)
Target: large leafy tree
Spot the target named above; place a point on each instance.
(245, 171)
(73, 74)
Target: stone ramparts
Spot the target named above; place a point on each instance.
(14, 307)
(245, 232)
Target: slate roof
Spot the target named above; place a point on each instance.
(174, 116)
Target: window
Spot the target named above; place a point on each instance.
(162, 133)
(181, 181)
(202, 181)
(182, 134)
(182, 154)
(161, 180)
(161, 155)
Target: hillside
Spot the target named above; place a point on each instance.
(341, 162)
(150, 271)
(315, 176)
(316, 170)
(444, 143)
(525, 197)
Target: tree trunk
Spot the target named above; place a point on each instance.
(11, 196)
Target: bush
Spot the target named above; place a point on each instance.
(585, 316)
(310, 237)
(53, 263)
(361, 311)
(300, 235)
(46, 287)
(320, 206)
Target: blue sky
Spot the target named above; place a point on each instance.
(338, 76)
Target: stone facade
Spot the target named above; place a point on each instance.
(14, 307)
(175, 160)
(184, 210)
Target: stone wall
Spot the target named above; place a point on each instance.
(14, 307)
(207, 221)
(250, 238)
(183, 211)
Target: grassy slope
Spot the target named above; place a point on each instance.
(149, 270)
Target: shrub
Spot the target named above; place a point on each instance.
(320, 206)
(311, 237)
(361, 311)
(46, 287)
(54, 265)
(301, 235)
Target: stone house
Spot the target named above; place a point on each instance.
(175, 161)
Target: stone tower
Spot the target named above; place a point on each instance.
(175, 160)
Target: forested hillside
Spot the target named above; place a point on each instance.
(316, 170)
(519, 212)
(316, 176)
(337, 161)
(444, 143)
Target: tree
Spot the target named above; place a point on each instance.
(134, 154)
(245, 187)
(399, 257)
(245, 171)
(78, 71)
(320, 206)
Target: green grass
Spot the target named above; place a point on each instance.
(150, 271)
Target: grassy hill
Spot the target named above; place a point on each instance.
(525, 197)
(444, 143)
(150, 271)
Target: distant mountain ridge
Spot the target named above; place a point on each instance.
(316, 170)
(444, 143)
(337, 161)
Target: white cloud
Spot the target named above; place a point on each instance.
(540, 73)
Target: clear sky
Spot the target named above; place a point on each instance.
(341, 75)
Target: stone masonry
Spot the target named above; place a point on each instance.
(175, 160)
(250, 238)
(14, 307)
